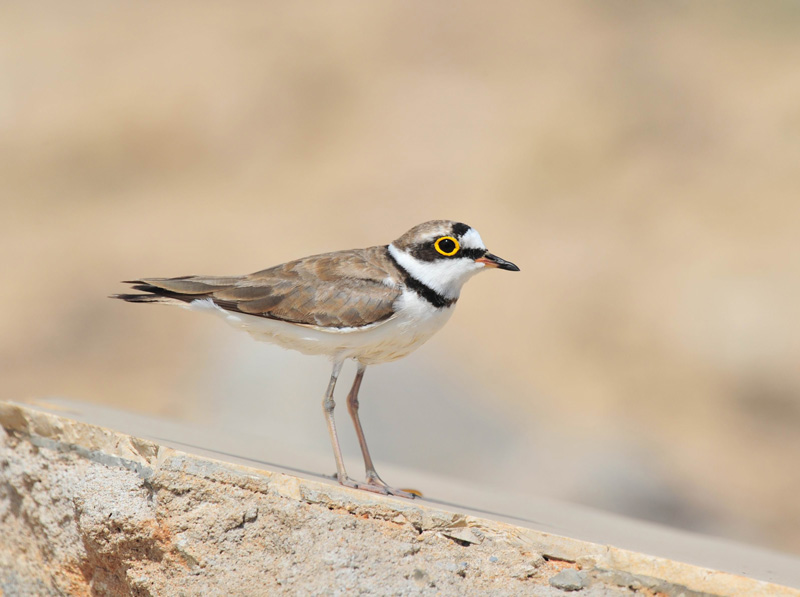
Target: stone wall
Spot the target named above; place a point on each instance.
(88, 511)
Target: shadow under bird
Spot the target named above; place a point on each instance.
(372, 305)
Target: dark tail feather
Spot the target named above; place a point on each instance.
(138, 298)
(154, 294)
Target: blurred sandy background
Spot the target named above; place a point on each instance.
(639, 161)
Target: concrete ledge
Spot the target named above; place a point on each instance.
(88, 510)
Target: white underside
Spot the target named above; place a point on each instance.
(414, 322)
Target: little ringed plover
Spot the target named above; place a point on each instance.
(372, 305)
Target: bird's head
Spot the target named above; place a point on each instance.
(443, 255)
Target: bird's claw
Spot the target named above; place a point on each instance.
(376, 485)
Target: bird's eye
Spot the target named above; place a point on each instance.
(447, 246)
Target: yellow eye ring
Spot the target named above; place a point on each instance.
(449, 249)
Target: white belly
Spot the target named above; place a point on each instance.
(414, 322)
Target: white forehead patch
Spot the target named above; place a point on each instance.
(472, 240)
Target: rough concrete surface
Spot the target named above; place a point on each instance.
(87, 511)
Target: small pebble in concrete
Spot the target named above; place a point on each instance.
(493, 559)
(463, 535)
(420, 577)
(524, 572)
(569, 580)
(537, 560)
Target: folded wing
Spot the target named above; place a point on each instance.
(335, 290)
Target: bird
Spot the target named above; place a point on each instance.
(372, 305)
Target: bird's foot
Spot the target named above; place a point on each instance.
(376, 485)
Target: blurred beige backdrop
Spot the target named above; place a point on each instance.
(639, 161)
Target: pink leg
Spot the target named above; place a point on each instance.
(328, 405)
(374, 482)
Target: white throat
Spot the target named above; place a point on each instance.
(445, 276)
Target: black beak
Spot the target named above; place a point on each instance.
(494, 261)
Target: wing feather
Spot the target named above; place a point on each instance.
(337, 290)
